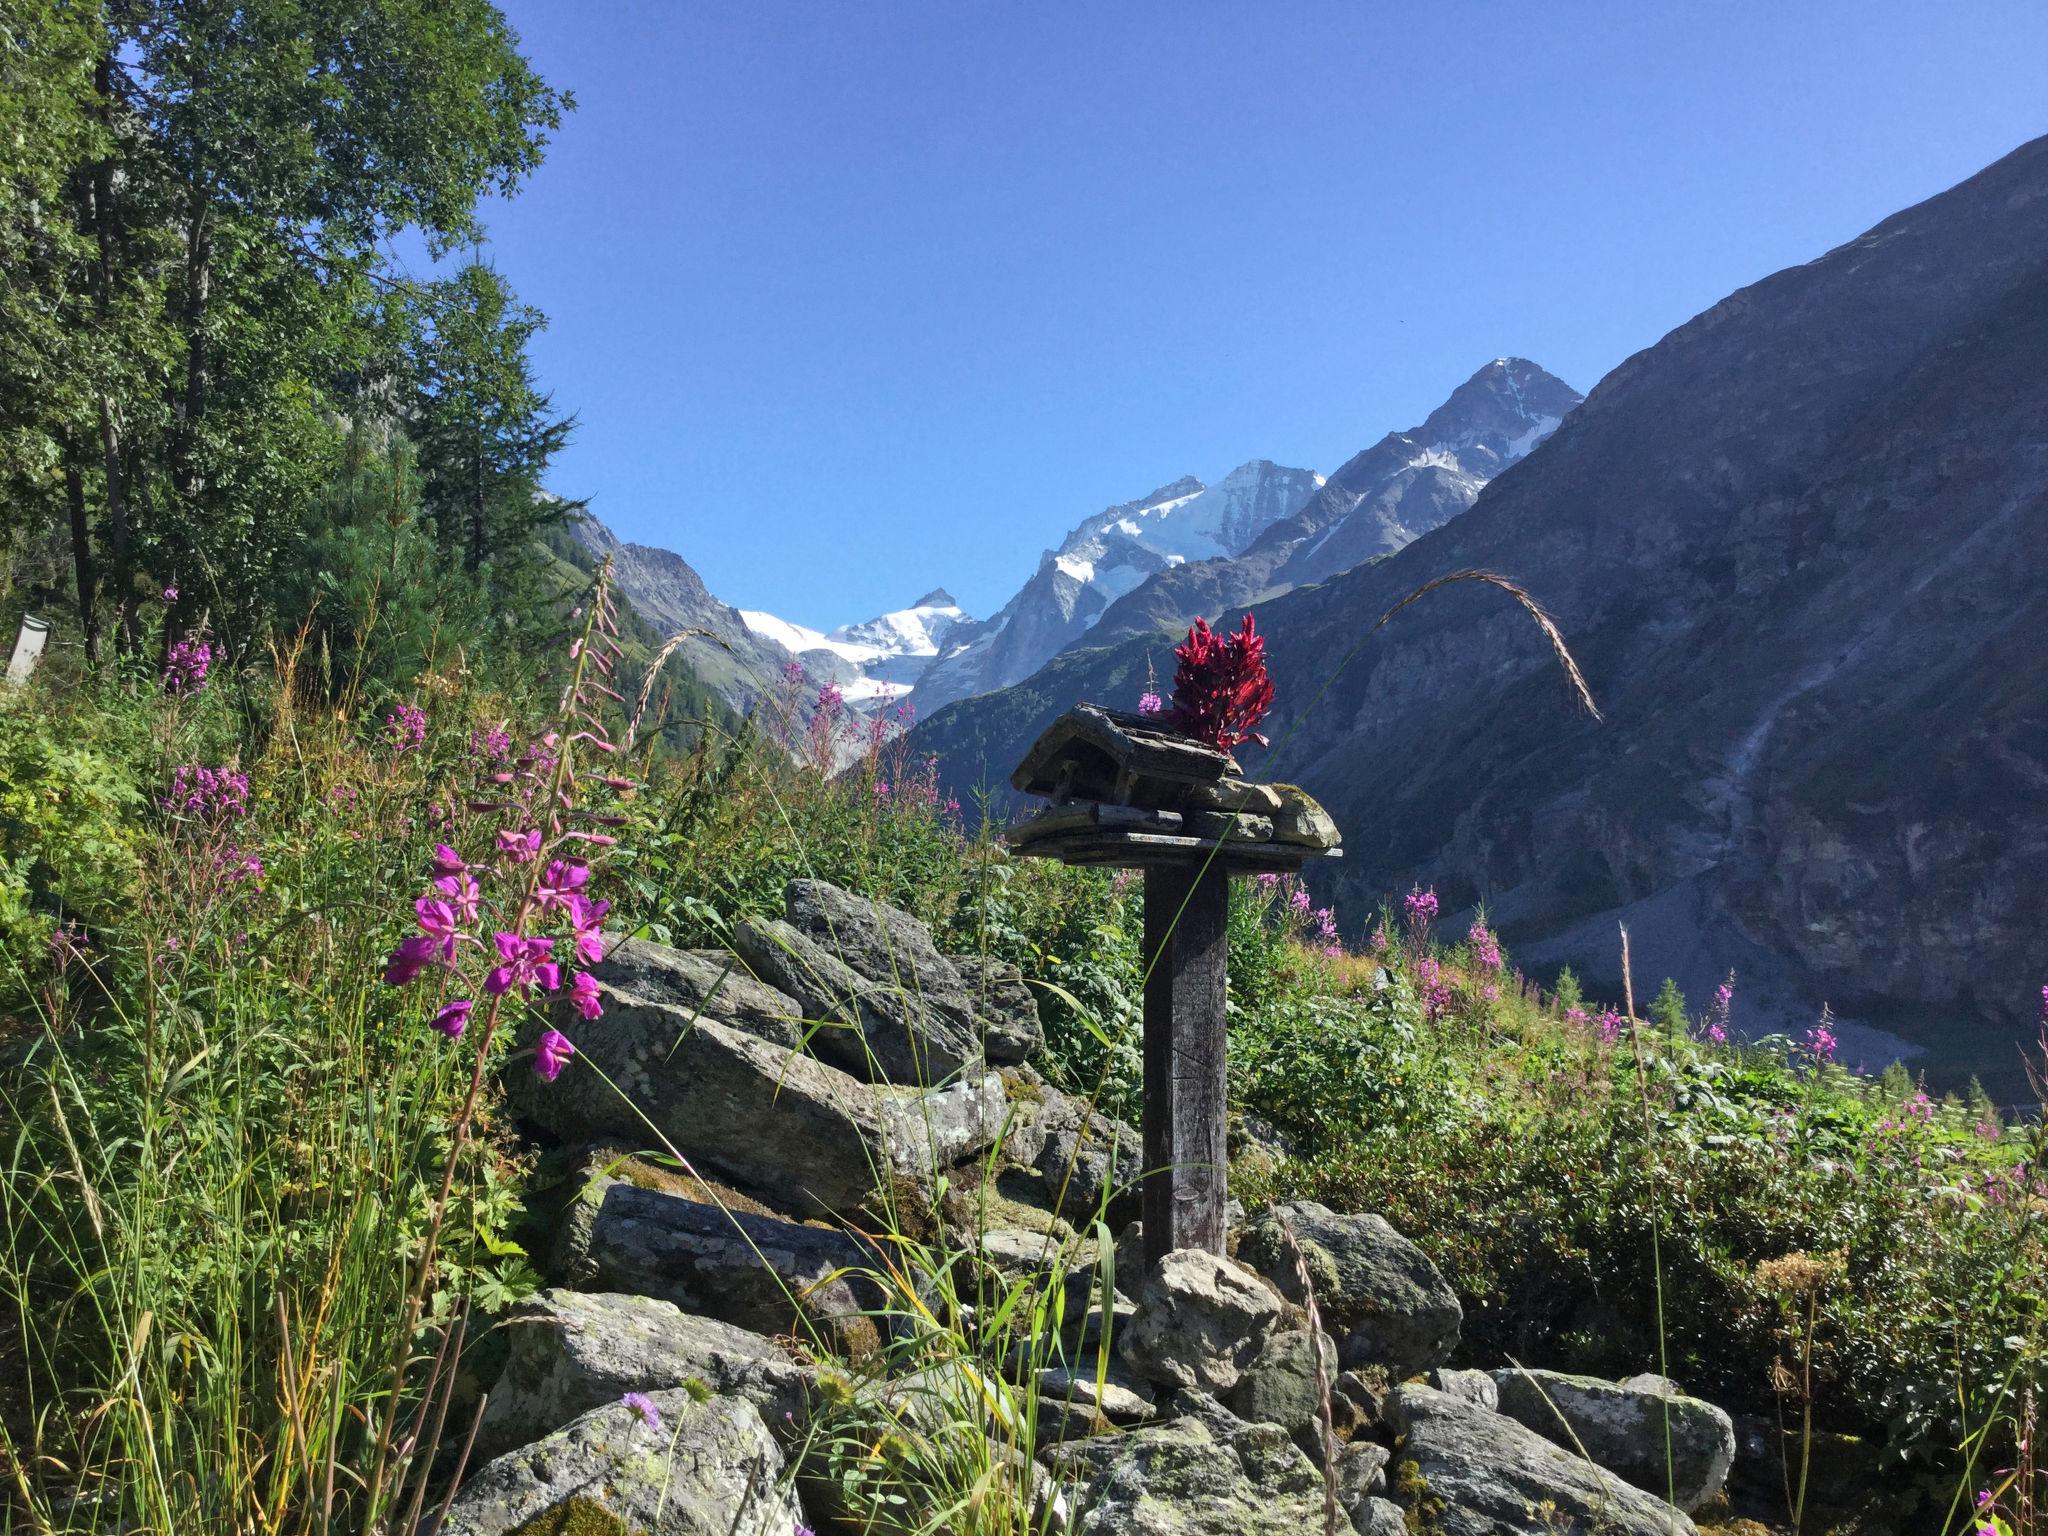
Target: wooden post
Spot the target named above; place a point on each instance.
(1187, 1170)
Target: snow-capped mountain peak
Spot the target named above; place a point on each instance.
(875, 661)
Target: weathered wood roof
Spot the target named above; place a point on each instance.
(1091, 753)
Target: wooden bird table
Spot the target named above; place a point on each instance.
(1128, 794)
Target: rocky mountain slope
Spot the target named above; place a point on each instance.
(1105, 557)
(736, 664)
(1796, 546)
(1382, 499)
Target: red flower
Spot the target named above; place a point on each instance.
(1220, 689)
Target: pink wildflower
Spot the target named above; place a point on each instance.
(186, 664)
(560, 881)
(583, 995)
(526, 965)
(1151, 704)
(453, 1018)
(405, 728)
(412, 956)
(492, 744)
(640, 1402)
(447, 861)
(1485, 947)
(1577, 1016)
(170, 594)
(1300, 901)
(551, 1055)
(587, 918)
(1820, 1040)
(462, 893)
(1420, 906)
(519, 847)
(1610, 1026)
(437, 922)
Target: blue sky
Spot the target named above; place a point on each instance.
(857, 299)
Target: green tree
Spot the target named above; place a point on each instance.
(486, 431)
(1569, 994)
(1669, 1012)
(215, 292)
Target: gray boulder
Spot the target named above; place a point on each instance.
(1473, 1386)
(1005, 1007)
(1378, 1517)
(881, 1030)
(1361, 1472)
(1088, 1162)
(1378, 1293)
(706, 983)
(1280, 1385)
(756, 1272)
(1119, 1398)
(797, 1132)
(1621, 1425)
(1200, 1321)
(571, 1351)
(1465, 1471)
(1189, 1478)
(710, 1469)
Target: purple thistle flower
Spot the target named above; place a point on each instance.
(526, 965)
(583, 995)
(551, 1055)
(453, 1018)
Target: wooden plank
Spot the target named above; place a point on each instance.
(1187, 1169)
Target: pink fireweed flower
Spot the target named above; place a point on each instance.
(447, 861)
(492, 744)
(1332, 951)
(1490, 992)
(453, 1018)
(1577, 1016)
(560, 881)
(405, 728)
(186, 664)
(1610, 1026)
(1821, 1042)
(462, 894)
(412, 956)
(519, 847)
(1420, 907)
(639, 1402)
(551, 1055)
(583, 995)
(170, 594)
(792, 671)
(208, 794)
(830, 697)
(1717, 1035)
(1267, 880)
(1485, 947)
(1300, 901)
(587, 918)
(1326, 923)
(526, 965)
(438, 922)
(1151, 704)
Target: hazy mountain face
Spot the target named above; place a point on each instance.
(1796, 546)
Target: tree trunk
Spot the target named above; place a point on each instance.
(118, 543)
(198, 292)
(81, 554)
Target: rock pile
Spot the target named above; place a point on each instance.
(838, 1075)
